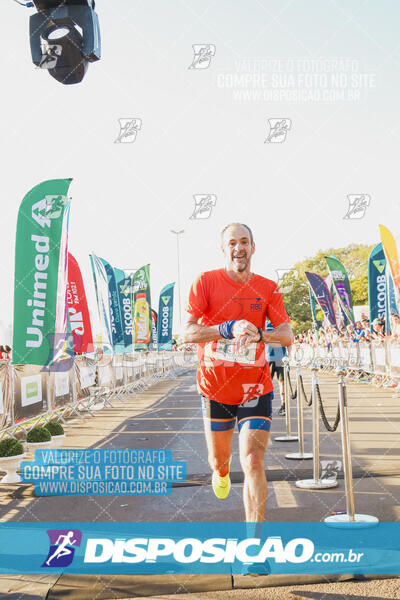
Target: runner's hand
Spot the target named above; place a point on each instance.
(244, 327)
(245, 340)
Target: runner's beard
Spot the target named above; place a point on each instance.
(242, 266)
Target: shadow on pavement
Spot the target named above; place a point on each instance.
(22, 596)
(325, 596)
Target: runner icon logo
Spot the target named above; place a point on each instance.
(61, 551)
(286, 279)
(278, 129)
(203, 205)
(128, 129)
(50, 56)
(358, 204)
(203, 54)
(249, 389)
(330, 469)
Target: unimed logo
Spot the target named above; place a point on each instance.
(31, 389)
(190, 550)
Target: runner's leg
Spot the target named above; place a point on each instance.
(272, 369)
(219, 423)
(252, 446)
(254, 421)
(219, 446)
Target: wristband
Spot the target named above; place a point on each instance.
(225, 329)
(260, 331)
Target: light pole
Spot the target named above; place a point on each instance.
(177, 233)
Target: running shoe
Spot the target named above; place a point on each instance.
(282, 410)
(221, 485)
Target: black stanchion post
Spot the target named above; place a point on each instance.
(300, 455)
(316, 483)
(350, 517)
(288, 437)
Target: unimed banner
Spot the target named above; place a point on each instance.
(78, 308)
(41, 273)
(377, 284)
(30, 392)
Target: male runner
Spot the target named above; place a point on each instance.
(227, 310)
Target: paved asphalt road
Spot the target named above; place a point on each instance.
(169, 416)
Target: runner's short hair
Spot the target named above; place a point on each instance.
(242, 225)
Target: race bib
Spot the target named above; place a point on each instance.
(226, 351)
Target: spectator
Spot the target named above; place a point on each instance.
(321, 337)
(365, 322)
(274, 355)
(358, 332)
(395, 325)
(378, 329)
(5, 352)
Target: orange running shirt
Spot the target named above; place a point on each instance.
(223, 375)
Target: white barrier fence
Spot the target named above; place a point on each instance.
(78, 385)
(377, 358)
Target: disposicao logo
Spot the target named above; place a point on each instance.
(62, 542)
(190, 550)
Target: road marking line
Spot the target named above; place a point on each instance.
(284, 495)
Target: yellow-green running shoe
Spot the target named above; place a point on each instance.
(221, 485)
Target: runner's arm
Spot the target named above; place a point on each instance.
(193, 332)
(282, 333)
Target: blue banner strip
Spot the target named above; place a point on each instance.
(207, 547)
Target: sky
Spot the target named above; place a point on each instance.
(328, 69)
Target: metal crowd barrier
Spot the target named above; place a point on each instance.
(378, 361)
(80, 385)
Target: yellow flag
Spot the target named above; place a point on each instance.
(392, 257)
